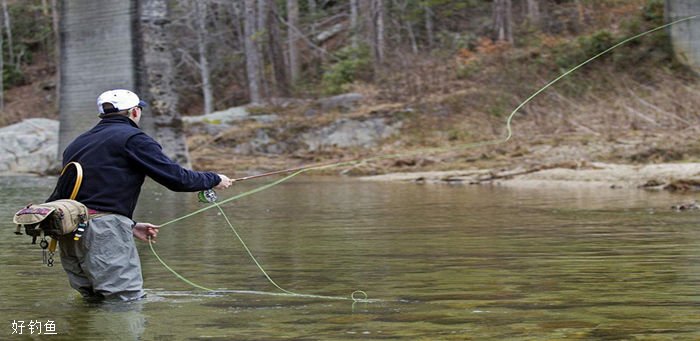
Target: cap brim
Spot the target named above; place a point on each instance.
(142, 104)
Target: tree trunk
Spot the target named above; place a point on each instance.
(354, 23)
(378, 31)
(581, 12)
(91, 64)
(509, 20)
(429, 26)
(200, 16)
(262, 38)
(404, 18)
(533, 11)
(275, 42)
(158, 76)
(293, 36)
(312, 15)
(262, 15)
(237, 20)
(8, 31)
(403, 22)
(252, 54)
(412, 37)
(502, 20)
(57, 49)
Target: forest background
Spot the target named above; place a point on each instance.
(444, 73)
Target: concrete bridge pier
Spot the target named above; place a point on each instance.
(686, 35)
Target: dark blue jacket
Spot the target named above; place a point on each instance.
(116, 156)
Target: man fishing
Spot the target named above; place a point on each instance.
(116, 156)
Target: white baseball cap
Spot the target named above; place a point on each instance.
(121, 100)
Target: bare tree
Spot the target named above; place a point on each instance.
(262, 15)
(238, 16)
(429, 30)
(8, 30)
(293, 36)
(378, 31)
(533, 11)
(200, 17)
(503, 20)
(252, 51)
(581, 11)
(275, 42)
(262, 38)
(312, 13)
(354, 23)
(405, 21)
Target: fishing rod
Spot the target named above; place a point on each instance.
(210, 196)
(289, 170)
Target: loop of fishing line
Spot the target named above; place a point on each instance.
(354, 296)
(300, 170)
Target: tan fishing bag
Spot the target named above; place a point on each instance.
(55, 218)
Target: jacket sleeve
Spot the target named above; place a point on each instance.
(148, 155)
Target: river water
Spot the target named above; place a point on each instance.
(445, 263)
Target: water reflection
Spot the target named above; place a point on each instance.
(104, 320)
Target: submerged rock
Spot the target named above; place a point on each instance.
(693, 205)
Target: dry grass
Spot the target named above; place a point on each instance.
(607, 115)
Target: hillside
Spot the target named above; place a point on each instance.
(636, 105)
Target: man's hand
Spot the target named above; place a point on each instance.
(225, 182)
(143, 231)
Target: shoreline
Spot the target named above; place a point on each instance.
(662, 176)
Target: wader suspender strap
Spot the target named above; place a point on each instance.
(76, 188)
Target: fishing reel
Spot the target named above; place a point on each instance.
(207, 197)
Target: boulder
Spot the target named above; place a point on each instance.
(263, 143)
(229, 116)
(329, 33)
(345, 133)
(344, 102)
(30, 146)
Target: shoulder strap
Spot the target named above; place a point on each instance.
(78, 178)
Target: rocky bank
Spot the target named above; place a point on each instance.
(29, 147)
(667, 176)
